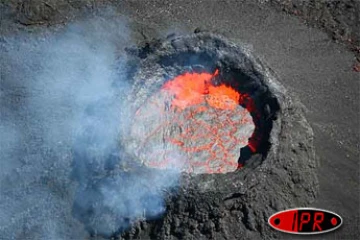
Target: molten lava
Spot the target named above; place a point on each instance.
(189, 89)
(194, 88)
(194, 125)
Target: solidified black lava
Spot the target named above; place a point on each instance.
(281, 174)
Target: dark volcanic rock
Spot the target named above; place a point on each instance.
(340, 19)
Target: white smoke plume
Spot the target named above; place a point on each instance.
(61, 100)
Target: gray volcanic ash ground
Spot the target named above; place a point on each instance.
(84, 153)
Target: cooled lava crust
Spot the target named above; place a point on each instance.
(197, 124)
(210, 202)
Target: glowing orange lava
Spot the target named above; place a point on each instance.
(201, 120)
(194, 88)
(189, 89)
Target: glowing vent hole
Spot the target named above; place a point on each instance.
(192, 126)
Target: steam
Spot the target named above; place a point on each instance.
(62, 108)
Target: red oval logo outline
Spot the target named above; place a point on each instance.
(305, 221)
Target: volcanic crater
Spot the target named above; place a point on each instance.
(199, 109)
(208, 108)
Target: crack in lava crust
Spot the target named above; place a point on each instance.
(192, 125)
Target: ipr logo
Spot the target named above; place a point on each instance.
(305, 221)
